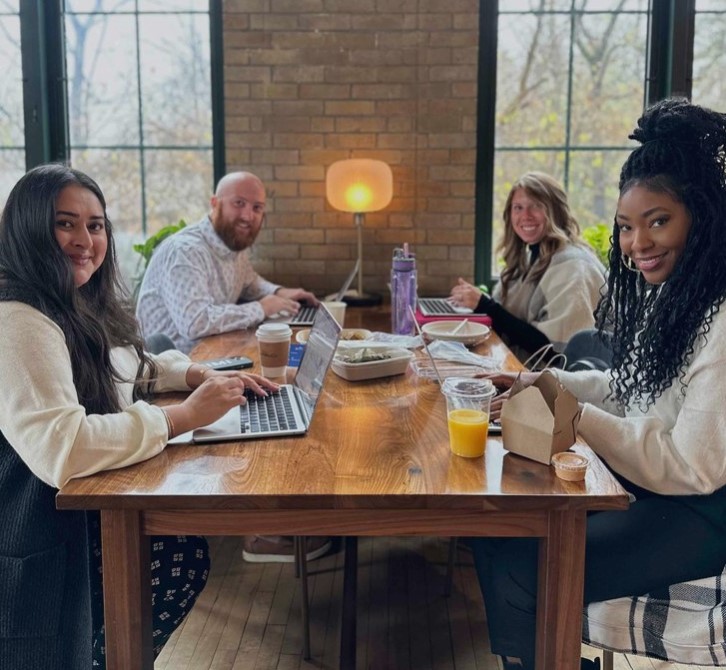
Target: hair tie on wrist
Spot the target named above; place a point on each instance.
(169, 424)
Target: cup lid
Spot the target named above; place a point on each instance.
(468, 387)
(279, 329)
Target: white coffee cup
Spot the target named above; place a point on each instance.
(337, 309)
(273, 345)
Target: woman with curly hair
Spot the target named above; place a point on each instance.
(657, 417)
(75, 379)
(551, 280)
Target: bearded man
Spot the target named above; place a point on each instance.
(200, 280)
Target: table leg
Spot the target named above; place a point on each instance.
(350, 586)
(560, 592)
(126, 591)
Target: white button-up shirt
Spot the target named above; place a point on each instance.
(193, 284)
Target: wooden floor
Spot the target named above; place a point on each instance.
(248, 617)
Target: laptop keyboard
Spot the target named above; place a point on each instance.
(435, 306)
(305, 315)
(267, 414)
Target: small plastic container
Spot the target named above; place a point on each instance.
(396, 364)
(570, 466)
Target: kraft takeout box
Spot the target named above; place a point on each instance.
(540, 420)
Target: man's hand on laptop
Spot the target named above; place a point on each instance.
(298, 294)
(276, 304)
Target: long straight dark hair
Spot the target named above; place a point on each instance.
(95, 317)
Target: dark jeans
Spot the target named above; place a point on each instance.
(659, 541)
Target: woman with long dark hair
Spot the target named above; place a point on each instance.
(551, 280)
(75, 379)
(657, 417)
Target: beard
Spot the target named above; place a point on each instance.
(235, 235)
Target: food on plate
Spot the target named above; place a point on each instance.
(364, 355)
(351, 334)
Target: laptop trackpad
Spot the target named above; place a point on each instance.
(229, 424)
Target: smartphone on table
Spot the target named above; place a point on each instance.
(228, 363)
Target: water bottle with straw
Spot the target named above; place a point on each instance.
(403, 291)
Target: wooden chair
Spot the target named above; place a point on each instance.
(684, 624)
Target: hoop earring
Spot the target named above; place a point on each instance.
(628, 263)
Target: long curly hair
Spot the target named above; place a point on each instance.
(561, 229)
(95, 317)
(682, 154)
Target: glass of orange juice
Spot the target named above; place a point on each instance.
(467, 409)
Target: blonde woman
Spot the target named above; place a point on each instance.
(551, 281)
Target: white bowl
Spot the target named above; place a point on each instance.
(468, 333)
(346, 335)
(353, 372)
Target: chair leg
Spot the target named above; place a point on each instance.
(607, 660)
(450, 566)
(301, 570)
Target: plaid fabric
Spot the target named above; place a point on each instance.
(685, 623)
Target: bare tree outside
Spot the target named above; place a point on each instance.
(709, 56)
(569, 88)
(139, 99)
(12, 126)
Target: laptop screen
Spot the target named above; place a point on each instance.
(318, 355)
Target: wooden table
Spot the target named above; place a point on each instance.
(376, 461)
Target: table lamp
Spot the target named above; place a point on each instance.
(359, 185)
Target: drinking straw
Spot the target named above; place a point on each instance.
(426, 346)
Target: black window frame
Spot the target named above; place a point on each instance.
(45, 98)
(669, 72)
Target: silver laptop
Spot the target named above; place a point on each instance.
(440, 307)
(306, 314)
(287, 412)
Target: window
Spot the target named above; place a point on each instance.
(12, 126)
(139, 108)
(570, 85)
(709, 57)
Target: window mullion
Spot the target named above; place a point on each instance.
(485, 134)
(670, 49)
(44, 89)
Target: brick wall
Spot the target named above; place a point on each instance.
(309, 82)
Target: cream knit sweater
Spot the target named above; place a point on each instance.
(41, 417)
(677, 446)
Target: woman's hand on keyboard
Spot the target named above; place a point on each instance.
(220, 392)
(464, 294)
(257, 383)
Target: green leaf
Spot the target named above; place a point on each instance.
(146, 249)
(598, 237)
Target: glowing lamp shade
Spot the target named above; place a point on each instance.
(359, 185)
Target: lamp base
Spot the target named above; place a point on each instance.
(355, 299)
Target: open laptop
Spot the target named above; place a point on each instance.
(287, 412)
(306, 314)
(439, 307)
